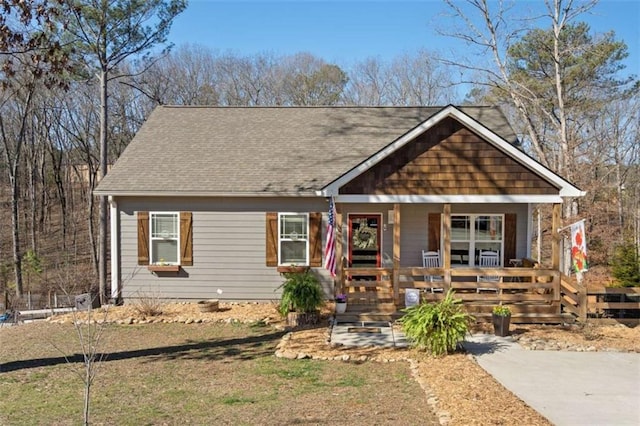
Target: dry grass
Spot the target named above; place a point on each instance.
(176, 374)
(221, 371)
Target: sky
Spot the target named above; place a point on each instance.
(346, 32)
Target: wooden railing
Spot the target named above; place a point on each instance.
(529, 292)
(614, 304)
(534, 294)
(573, 297)
(600, 304)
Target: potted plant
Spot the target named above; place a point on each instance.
(501, 317)
(341, 303)
(301, 297)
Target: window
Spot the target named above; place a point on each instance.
(165, 238)
(471, 234)
(274, 242)
(293, 239)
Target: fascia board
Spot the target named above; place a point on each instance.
(453, 199)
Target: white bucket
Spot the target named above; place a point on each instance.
(411, 297)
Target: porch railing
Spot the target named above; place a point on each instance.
(529, 292)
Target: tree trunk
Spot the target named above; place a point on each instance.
(87, 390)
(13, 167)
(15, 226)
(102, 237)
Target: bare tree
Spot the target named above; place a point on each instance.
(188, 75)
(548, 76)
(105, 33)
(16, 110)
(29, 53)
(409, 79)
(368, 84)
(419, 79)
(247, 81)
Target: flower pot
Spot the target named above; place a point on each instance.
(212, 305)
(299, 319)
(501, 324)
(341, 307)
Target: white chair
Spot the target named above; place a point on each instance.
(431, 259)
(489, 259)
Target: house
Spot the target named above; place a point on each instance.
(218, 201)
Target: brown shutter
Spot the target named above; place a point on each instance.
(510, 239)
(143, 238)
(272, 239)
(315, 239)
(186, 239)
(434, 231)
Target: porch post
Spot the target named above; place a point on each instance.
(396, 253)
(555, 242)
(446, 245)
(116, 284)
(339, 250)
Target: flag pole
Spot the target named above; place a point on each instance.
(570, 225)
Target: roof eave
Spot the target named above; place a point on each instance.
(129, 193)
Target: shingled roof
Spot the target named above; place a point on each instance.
(263, 150)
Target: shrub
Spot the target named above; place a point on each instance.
(437, 327)
(301, 292)
(148, 304)
(626, 265)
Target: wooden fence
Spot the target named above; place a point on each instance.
(602, 304)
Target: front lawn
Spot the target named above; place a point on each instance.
(170, 374)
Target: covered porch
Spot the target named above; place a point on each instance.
(379, 291)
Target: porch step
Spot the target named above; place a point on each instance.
(516, 318)
(367, 307)
(371, 316)
(531, 318)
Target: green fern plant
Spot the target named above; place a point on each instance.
(301, 292)
(437, 327)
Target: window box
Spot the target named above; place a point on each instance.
(290, 269)
(164, 268)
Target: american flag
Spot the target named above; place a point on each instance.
(330, 247)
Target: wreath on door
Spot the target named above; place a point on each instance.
(365, 237)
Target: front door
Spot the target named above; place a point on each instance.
(364, 242)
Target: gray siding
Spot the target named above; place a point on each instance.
(229, 243)
(229, 250)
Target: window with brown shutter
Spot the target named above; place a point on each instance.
(315, 239)
(143, 238)
(275, 241)
(186, 239)
(434, 231)
(185, 229)
(510, 240)
(272, 239)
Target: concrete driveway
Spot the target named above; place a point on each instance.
(568, 388)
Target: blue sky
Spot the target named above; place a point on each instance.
(344, 32)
